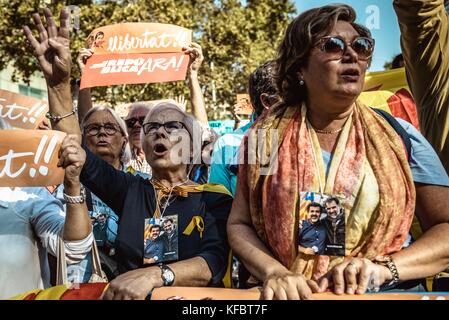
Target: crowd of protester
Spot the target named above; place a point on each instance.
(170, 203)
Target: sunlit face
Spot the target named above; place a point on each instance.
(155, 231)
(138, 113)
(164, 150)
(314, 214)
(108, 146)
(330, 79)
(333, 209)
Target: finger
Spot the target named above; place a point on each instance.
(43, 36)
(51, 25)
(292, 291)
(305, 293)
(195, 45)
(338, 279)
(109, 294)
(313, 286)
(64, 20)
(325, 282)
(279, 293)
(351, 278)
(267, 293)
(365, 276)
(30, 37)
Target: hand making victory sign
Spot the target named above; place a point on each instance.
(52, 50)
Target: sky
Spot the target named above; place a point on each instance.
(376, 15)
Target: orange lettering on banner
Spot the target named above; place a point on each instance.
(28, 158)
(104, 70)
(21, 111)
(244, 106)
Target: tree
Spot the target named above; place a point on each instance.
(235, 37)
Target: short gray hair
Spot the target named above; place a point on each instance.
(125, 156)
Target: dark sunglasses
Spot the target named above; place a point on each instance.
(132, 121)
(109, 128)
(170, 127)
(337, 46)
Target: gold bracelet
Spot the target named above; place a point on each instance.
(388, 262)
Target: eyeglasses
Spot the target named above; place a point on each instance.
(132, 121)
(109, 128)
(337, 46)
(170, 127)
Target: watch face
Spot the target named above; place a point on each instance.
(168, 276)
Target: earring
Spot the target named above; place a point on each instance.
(301, 82)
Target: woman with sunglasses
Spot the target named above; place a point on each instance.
(134, 122)
(329, 143)
(197, 213)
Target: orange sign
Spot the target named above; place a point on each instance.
(28, 158)
(243, 105)
(22, 111)
(136, 53)
(138, 38)
(104, 70)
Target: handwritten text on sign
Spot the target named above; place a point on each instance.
(29, 158)
(21, 111)
(103, 70)
(138, 38)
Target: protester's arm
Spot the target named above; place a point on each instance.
(106, 182)
(425, 43)
(137, 284)
(196, 95)
(53, 54)
(425, 257)
(279, 282)
(429, 254)
(84, 96)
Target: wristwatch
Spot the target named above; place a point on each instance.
(167, 275)
(75, 199)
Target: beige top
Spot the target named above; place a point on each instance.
(425, 46)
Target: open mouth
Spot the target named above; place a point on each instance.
(160, 149)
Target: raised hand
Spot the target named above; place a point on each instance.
(72, 158)
(53, 48)
(196, 57)
(83, 55)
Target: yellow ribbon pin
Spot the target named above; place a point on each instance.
(198, 222)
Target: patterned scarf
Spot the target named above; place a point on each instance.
(369, 170)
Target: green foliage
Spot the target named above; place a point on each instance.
(236, 38)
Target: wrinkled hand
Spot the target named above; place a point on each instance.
(354, 276)
(309, 251)
(286, 287)
(53, 48)
(134, 285)
(72, 158)
(196, 57)
(83, 55)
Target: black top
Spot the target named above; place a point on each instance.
(133, 199)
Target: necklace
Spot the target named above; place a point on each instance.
(327, 131)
